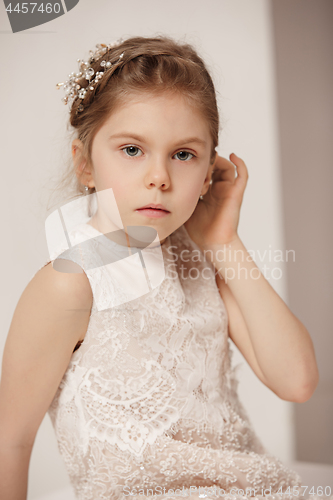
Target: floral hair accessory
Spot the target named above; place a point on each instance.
(72, 87)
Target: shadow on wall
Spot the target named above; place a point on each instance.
(304, 66)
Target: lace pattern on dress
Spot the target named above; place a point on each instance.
(149, 400)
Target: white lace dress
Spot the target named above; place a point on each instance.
(148, 403)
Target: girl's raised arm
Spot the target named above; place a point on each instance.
(51, 316)
(273, 340)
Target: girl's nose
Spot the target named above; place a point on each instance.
(158, 174)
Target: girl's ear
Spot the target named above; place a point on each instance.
(208, 177)
(82, 171)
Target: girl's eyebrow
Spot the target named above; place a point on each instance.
(136, 137)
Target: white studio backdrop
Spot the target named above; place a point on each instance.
(235, 39)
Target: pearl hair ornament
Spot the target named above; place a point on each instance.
(73, 89)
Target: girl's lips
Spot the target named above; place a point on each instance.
(152, 212)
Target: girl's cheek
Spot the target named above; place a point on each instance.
(194, 190)
(122, 193)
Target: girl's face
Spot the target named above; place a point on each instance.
(153, 150)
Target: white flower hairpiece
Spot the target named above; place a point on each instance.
(73, 89)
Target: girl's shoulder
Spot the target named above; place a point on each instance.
(61, 283)
(65, 290)
(52, 314)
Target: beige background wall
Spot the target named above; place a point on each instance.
(304, 69)
(236, 39)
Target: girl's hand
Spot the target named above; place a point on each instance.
(215, 218)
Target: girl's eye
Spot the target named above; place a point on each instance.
(132, 150)
(184, 158)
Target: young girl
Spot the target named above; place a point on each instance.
(135, 370)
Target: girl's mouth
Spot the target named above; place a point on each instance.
(152, 212)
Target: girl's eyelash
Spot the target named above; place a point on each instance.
(180, 151)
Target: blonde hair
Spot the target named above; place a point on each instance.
(153, 65)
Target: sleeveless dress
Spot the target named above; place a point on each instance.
(148, 404)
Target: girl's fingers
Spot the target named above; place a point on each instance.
(242, 172)
(224, 170)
